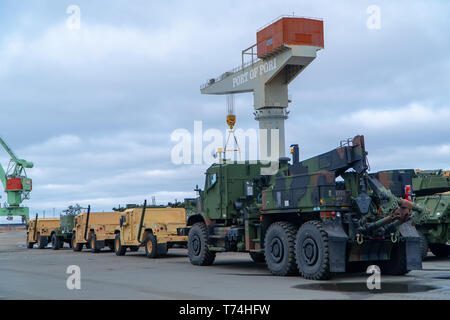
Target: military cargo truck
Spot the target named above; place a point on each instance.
(95, 230)
(430, 188)
(314, 217)
(39, 231)
(63, 233)
(155, 228)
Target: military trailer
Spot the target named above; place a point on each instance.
(63, 233)
(430, 188)
(314, 217)
(95, 230)
(155, 228)
(39, 231)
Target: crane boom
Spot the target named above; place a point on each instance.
(285, 48)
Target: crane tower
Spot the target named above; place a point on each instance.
(16, 184)
(284, 48)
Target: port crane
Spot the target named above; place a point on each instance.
(283, 50)
(16, 184)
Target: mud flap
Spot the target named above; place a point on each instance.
(413, 251)
(100, 244)
(44, 241)
(337, 244)
(162, 248)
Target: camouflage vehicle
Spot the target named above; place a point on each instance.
(314, 217)
(432, 189)
(63, 233)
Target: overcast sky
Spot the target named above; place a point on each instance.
(94, 108)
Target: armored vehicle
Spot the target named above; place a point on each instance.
(314, 217)
(432, 189)
(38, 231)
(95, 230)
(63, 233)
(155, 228)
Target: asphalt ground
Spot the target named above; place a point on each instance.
(41, 274)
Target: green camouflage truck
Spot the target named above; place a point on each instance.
(315, 217)
(432, 189)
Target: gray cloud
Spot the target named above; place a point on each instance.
(95, 108)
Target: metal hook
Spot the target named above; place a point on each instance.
(359, 239)
(394, 238)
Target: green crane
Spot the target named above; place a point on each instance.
(16, 184)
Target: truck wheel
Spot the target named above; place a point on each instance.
(198, 251)
(42, 241)
(56, 242)
(118, 248)
(423, 244)
(312, 252)
(279, 248)
(151, 246)
(396, 265)
(440, 250)
(257, 257)
(94, 245)
(75, 245)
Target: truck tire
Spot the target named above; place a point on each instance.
(198, 251)
(151, 246)
(396, 265)
(312, 251)
(118, 248)
(94, 244)
(42, 241)
(56, 242)
(279, 248)
(423, 244)
(75, 245)
(440, 250)
(257, 257)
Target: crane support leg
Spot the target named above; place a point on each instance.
(271, 130)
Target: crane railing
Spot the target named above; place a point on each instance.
(243, 66)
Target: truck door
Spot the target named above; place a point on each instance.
(213, 196)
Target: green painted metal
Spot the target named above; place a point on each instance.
(15, 197)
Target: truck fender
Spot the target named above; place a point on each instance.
(195, 218)
(146, 232)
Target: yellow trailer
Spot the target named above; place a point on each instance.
(156, 229)
(39, 231)
(95, 230)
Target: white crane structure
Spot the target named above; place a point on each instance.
(269, 72)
